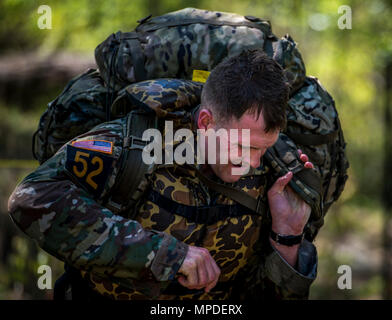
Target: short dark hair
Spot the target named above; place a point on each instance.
(250, 81)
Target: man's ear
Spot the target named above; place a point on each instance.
(205, 120)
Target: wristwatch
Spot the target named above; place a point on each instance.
(288, 240)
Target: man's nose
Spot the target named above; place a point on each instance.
(255, 161)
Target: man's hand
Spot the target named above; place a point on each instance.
(199, 270)
(288, 211)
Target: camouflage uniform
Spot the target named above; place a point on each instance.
(61, 205)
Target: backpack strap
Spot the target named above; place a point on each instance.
(199, 214)
(137, 55)
(305, 182)
(239, 196)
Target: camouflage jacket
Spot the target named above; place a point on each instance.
(61, 205)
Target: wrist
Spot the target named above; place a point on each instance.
(285, 230)
(288, 253)
(283, 248)
(286, 239)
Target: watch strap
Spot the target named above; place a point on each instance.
(287, 240)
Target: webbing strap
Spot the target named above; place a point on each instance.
(137, 54)
(127, 191)
(198, 214)
(239, 196)
(137, 60)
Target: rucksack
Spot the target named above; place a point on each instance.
(126, 58)
(80, 107)
(177, 44)
(314, 127)
(174, 45)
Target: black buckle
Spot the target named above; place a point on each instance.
(133, 142)
(114, 206)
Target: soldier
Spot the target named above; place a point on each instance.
(184, 239)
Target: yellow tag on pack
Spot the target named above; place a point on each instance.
(200, 75)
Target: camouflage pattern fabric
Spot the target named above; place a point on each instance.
(63, 204)
(177, 43)
(312, 115)
(170, 99)
(312, 111)
(229, 241)
(53, 207)
(80, 107)
(125, 258)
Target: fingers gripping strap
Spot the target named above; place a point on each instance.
(305, 182)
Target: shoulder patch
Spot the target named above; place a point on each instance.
(95, 145)
(90, 168)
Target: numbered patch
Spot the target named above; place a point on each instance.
(90, 168)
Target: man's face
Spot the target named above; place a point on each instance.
(258, 142)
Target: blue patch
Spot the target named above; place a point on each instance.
(90, 168)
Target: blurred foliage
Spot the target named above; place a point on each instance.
(349, 63)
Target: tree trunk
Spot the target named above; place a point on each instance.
(387, 185)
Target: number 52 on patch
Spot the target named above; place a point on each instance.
(90, 168)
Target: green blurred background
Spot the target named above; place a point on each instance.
(353, 64)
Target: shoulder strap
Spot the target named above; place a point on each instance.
(137, 55)
(131, 182)
(127, 191)
(199, 214)
(241, 197)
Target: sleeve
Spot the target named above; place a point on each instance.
(287, 282)
(58, 211)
